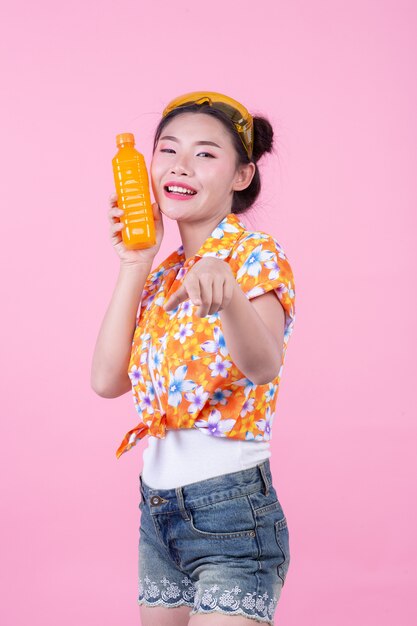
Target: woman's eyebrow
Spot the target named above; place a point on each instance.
(197, 143)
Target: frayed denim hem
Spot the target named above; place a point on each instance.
(264, 620)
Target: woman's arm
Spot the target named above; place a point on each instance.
(254, 332)
(109, 370)
(253, 328)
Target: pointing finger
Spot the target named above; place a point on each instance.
(175, 299)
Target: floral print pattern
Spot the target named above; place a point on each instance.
(207, 600)
(167, 593)
(233, 602)
(181, 371)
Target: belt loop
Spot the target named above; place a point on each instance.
(180, 499)
(141, 488)
(264, 478)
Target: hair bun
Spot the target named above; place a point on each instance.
(263, 137)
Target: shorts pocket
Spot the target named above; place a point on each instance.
(228, 518)
(283, 541)
(264, 504)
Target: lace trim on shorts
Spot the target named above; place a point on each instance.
(207, 600)
(255, 607)
(170, 594)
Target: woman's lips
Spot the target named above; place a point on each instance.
(178, 196)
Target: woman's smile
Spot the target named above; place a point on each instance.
(177, 196)
(177, 192)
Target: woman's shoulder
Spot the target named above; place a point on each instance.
(257, 239)
(260, 264)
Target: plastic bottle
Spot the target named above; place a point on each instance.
(133, 195)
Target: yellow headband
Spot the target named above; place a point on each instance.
(239, 115)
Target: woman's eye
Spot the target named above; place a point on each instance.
(171, 150)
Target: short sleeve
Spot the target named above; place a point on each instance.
(262, 265)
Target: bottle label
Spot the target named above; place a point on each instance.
(132, 188)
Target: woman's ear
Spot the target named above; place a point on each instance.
(244, 176)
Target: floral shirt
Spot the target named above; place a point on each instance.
(181, 371)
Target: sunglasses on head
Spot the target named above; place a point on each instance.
(236, 112)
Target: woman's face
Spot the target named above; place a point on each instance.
(209, 169)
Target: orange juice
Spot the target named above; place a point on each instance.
(133, 195)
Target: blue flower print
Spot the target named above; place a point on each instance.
(220, 396)
(136, 403)
(163, 341)
(186, 330)
(197, 399)
(145, 338)
(247, 407)
(281, 289)
(221, 253)
(157, 275)
(218, 345)
(280, 251)
(159, 301)
(253, 264)
(265, 424)
(212, 318)
(135, 375)
(181, 273)
(224, 227)
(186, 309)
(246, 383)
(257, 234)
(177, 385)
(251, 437)
(220, 367)
(173, 312)
(240, 247)
(146, 398)
(274, 267)
(270, 392)
(160, 386)
(155, 357)
(291, 290)
(215, 425)
(148, 299)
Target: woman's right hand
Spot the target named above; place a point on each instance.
(132, 257)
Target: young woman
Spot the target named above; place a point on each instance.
(201, 341)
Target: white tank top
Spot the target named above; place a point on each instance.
(187, 455)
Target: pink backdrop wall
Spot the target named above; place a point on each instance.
(337, 81)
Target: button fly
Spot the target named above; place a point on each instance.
(157, 500)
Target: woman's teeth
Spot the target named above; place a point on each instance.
(181, 190)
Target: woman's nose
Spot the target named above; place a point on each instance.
(181, 166)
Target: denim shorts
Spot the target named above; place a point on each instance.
(220, 544)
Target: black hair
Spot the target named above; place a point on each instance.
(263, 136)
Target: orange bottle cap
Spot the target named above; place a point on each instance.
(125, 138)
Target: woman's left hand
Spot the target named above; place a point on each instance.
(209, 283)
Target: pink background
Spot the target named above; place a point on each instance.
(337, 81)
